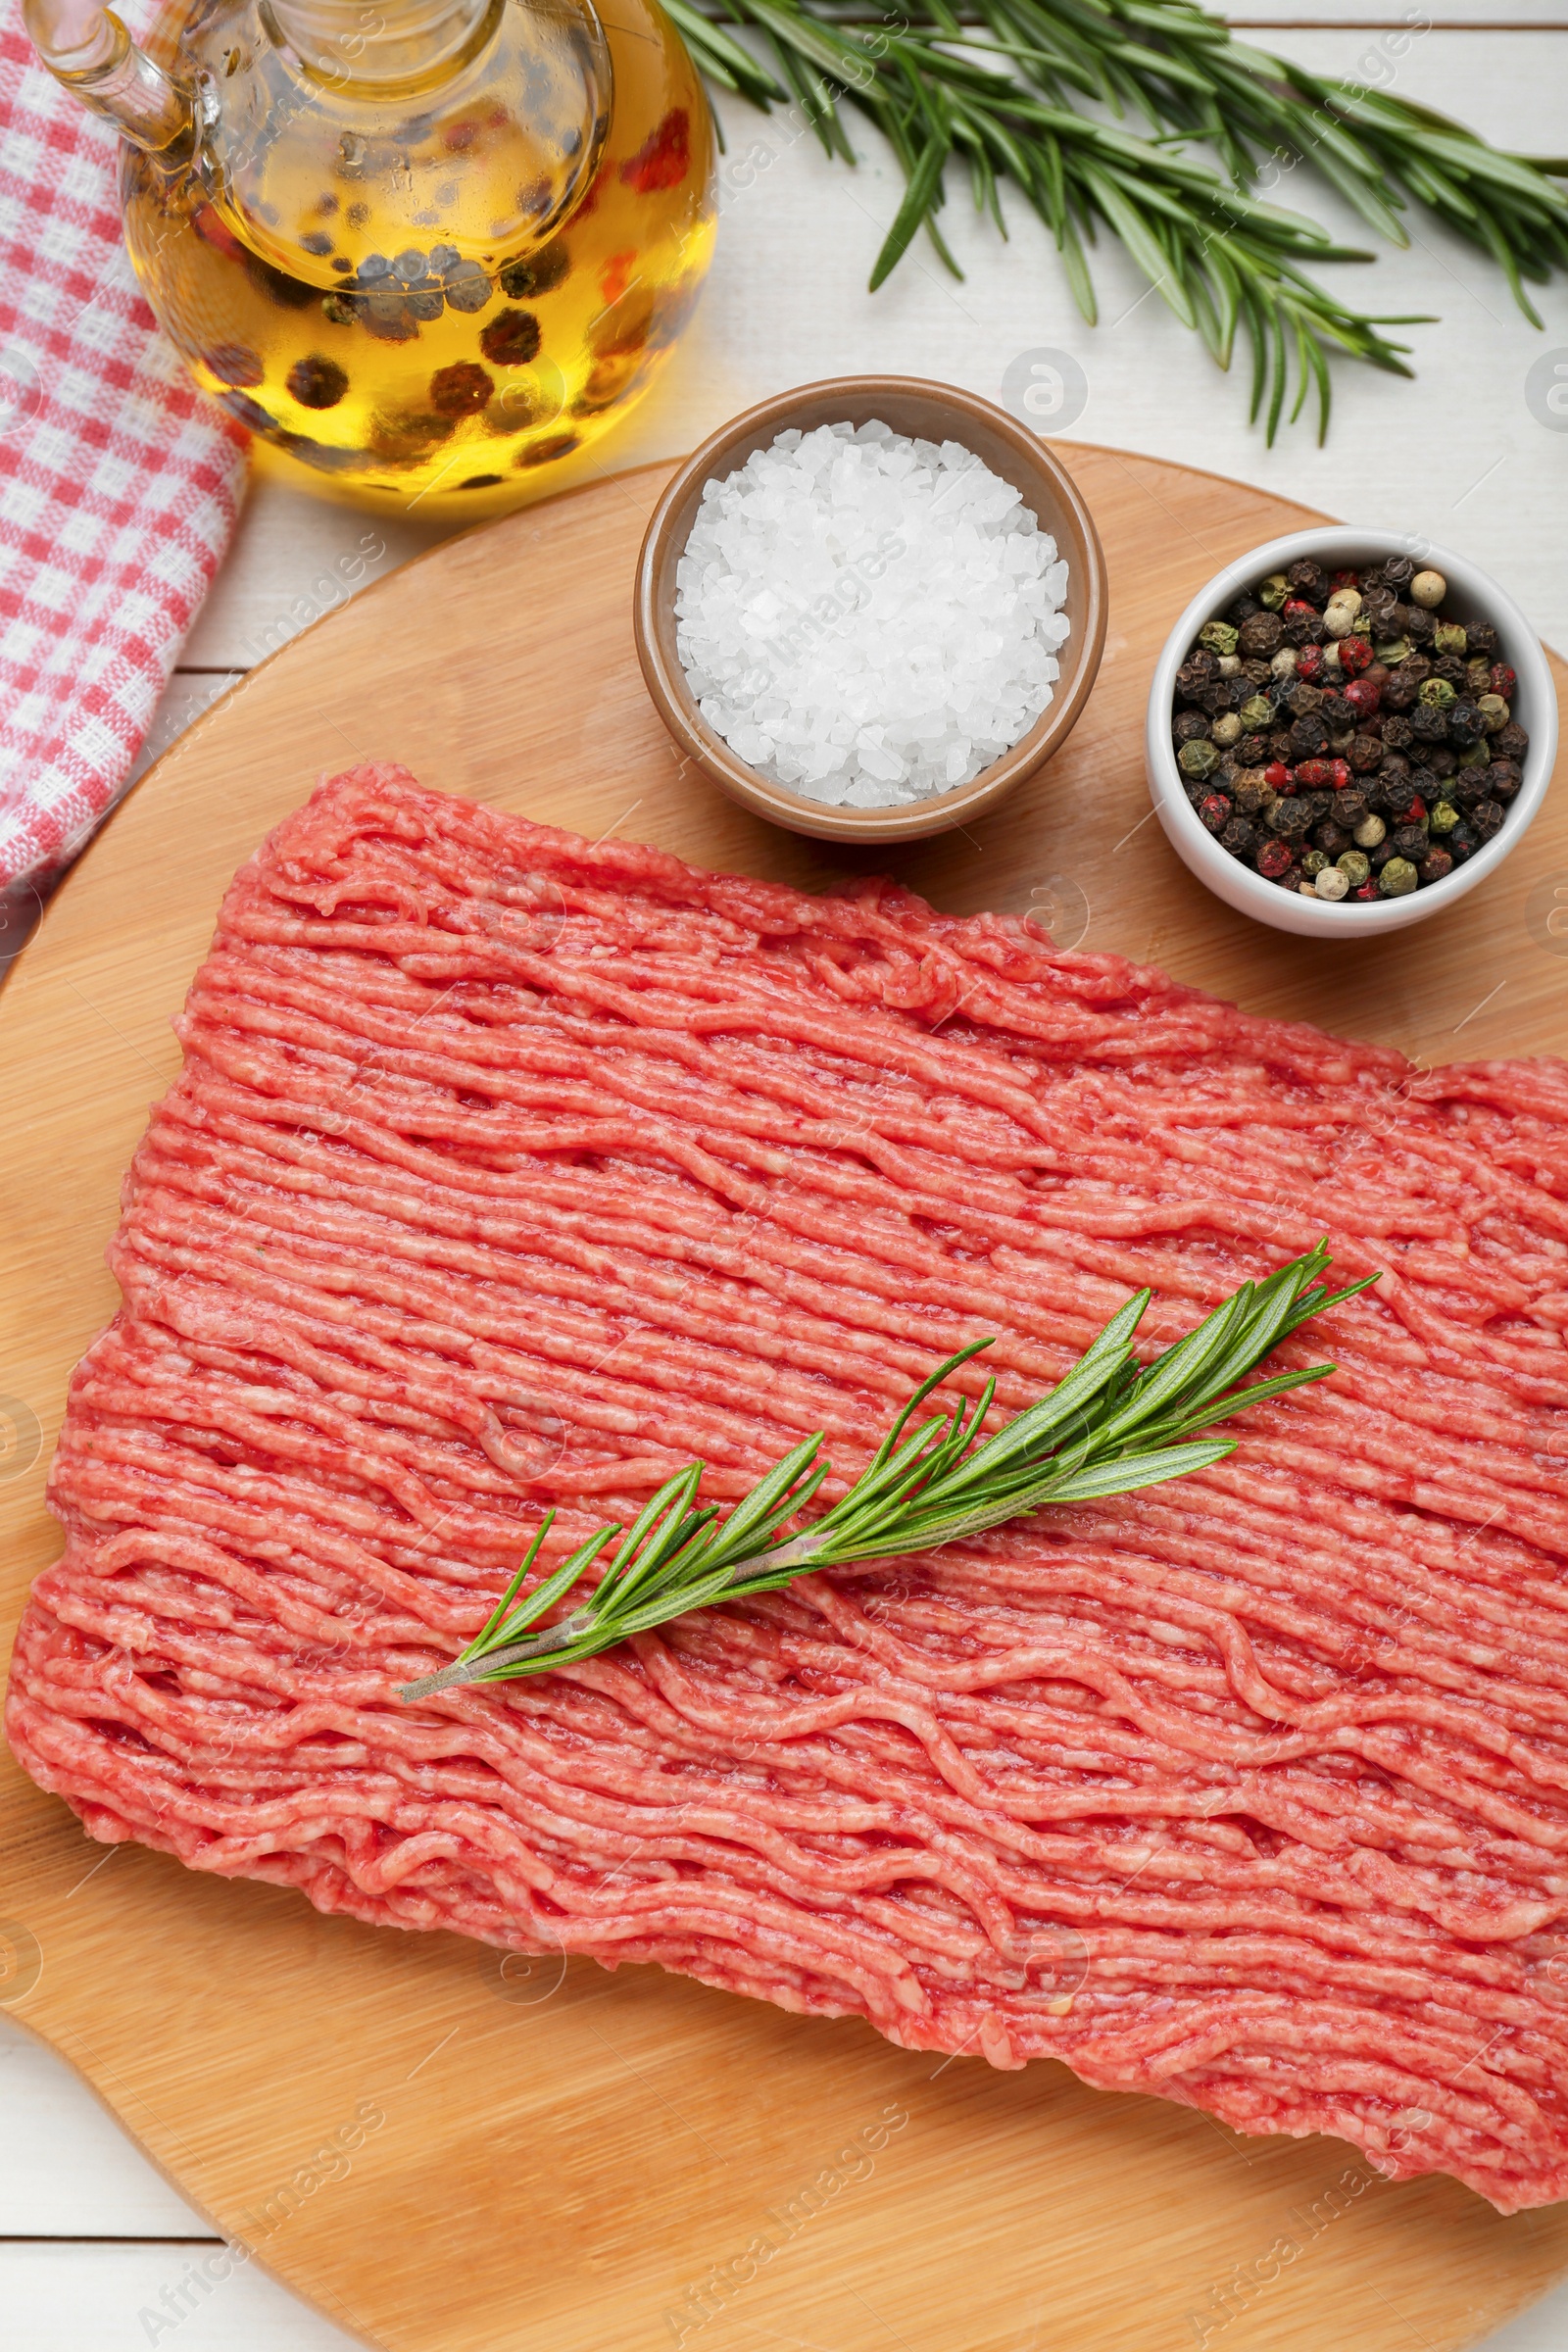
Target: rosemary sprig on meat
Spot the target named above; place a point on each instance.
(1107, 1428)
(1003, 91)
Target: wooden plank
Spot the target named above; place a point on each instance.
(561, 2173)
(66, 2168)
(102, 2298)
(1360, 16)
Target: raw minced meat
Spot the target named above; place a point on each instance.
(504, 1171)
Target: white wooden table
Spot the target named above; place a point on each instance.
(93, 2245)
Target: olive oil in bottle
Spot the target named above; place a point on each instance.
(427, 248)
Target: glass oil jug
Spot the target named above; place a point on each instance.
(427, 248)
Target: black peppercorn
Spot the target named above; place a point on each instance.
(1365, 753)
(1291, 816)
(1260, 635)
(1428, 724)
(1465, 723)
(1469, 787)
(1420, 627)
(1510, 742)
(1300, 697)
(1332, 839)
(1379, 854)
(1502, 779)
(1434, 865)
(460, 390)
(1349, 807)
(540, 274)
(1488, 818)
(1252, 751)
(1334, 711)
(1483, 639)
(1195, 673)
(316, 382)
(1301, 628)
(1461, 842)
(1256, 673)
(511, 339)
(1397, 732)
(1308, 581)
(1309, 738)
(1449, 666)
(1441, 759)
(1401, 691)
(1409, 841)
(1398, 571)
(1279, 745)
(1190, 725)
(1240, 837)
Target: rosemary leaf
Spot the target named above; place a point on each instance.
(1107, 1428)
(1007, 84)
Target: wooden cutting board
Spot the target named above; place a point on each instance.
(447, 2154)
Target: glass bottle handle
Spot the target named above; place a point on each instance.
(89, 52)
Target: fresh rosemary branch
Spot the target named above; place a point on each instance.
(1105, 1429)
(999, 87)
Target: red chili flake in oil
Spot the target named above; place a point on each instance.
(664, 156)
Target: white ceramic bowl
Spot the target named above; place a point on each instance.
(1472, 595)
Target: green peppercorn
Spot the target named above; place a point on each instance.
(1475, 754)
(1494, 712)
(1444, 817)
(1437, 694)
(1394, 651)
(1218, 636)
(1449, 638)
(1226, 730)
(1275, 589)
(1399, 878)
(1258, 711)
(1313, 863)
(1198, 758)
(1355, 867)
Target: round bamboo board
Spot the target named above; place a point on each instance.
(449, 2155)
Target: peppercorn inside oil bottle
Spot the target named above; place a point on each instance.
(429, 261)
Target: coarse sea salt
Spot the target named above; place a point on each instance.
(868, 619)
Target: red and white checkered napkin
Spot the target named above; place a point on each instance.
(119, 482)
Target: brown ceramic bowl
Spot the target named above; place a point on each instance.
(921, 410)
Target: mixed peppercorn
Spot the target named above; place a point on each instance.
(1338, 732)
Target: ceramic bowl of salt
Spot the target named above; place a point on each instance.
(868, 609)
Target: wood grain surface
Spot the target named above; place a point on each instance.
(447, 2154)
